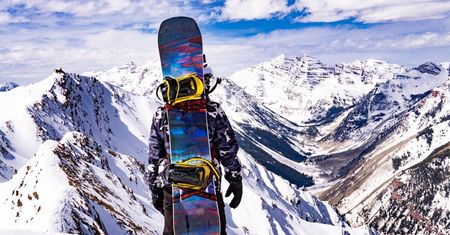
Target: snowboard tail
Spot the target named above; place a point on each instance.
(194, 211)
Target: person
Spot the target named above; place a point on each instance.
(223, 149)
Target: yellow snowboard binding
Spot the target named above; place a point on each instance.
(177, 90)
(194, 173)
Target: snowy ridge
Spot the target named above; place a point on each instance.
(7, 86)
(69, 102)
(137, 79)
(316, 92)
(413, 141)
(284, 209)
(387, 100)
(68, 186)
(412, 126)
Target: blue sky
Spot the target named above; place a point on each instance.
(81, 35)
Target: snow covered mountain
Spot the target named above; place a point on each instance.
(304, 90)
(7, 86)
(390, 173)
(137, 79)
(375, 132)
(73, 156)
(69, 102)
(76, 186)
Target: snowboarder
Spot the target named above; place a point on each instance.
(223, 146)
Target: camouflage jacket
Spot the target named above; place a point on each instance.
(224, 146)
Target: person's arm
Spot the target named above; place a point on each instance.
(156, 152)
(227, 146)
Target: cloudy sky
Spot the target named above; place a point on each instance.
(83, 35)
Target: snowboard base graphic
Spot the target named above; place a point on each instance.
(181, 53)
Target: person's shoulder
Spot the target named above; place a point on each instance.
(214, 109)
(212, 103)
(213, 106)
(159, 112)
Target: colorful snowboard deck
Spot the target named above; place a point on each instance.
(181, 53)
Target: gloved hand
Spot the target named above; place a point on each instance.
(235, 188)
(158, 198)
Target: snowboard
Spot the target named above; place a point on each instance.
(181, 53)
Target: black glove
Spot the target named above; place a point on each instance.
(235, 188)
(158, 198)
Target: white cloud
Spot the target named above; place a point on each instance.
(83, 8)
(372, 11)
(80, 35)
(4, 18)
(253, 9)
(107, 13)
(406, 43)
(411, 11)
(108, 35)
(31, 61)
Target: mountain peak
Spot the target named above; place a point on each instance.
(280, 57)
(8, 86)
(292, 64)
(375, 62)
(58, 70)
(445, 64)
(308, 58)
(278, 60)
(370, 63)
(283, 58)
(132, 77)
(429, 67)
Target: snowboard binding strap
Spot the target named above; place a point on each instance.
(194, 174)
(177, 90)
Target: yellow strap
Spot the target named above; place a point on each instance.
(204, 162)
(178, 89)
(168, 90)
(201, 160)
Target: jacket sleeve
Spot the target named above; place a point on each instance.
(156, 145)
(226, 143)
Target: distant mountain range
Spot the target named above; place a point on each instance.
(374, 134)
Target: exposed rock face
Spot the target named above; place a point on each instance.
(7, 86)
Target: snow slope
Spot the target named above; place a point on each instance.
(68, 186)
(137, 79)
(411, 131)
(69, 102)
(273, 206)
(375, 122)
(304, 90)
